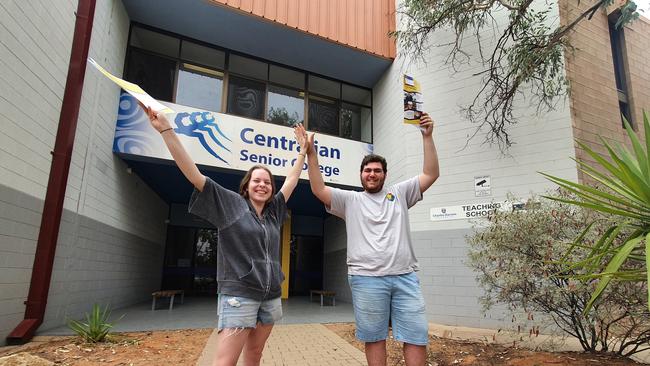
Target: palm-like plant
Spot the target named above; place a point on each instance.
(96, 327)
(624, 193)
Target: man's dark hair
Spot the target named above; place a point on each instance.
(372, 158)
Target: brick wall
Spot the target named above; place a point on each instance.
(590, 69)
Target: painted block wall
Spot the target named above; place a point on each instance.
(542, 143)
(112, 232)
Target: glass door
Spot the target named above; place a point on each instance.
(191, 261)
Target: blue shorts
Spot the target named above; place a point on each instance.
(376, 299)
(242, 312)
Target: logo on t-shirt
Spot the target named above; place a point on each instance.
(390, 197)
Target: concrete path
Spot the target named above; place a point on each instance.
(299, 345)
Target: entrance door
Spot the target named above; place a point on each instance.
(191, 261)
(306, 265)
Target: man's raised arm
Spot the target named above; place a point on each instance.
(430, 168)
(318, 187)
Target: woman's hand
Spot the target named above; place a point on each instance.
(158, 120)
(301, 137)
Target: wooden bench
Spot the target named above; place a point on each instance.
(167, 293)
(323, 294)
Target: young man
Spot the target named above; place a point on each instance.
(381, 262)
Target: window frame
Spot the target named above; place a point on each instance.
(621, 70)
(307, 95)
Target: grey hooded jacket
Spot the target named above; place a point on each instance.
(248, 249)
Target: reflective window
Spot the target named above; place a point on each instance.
(200, 88)
(153, 73)
(198, 75)
(324, 87)
(323, 116)
(286, 106)
(248, 67)
(356, 95)
(356, 122)
(288, 77)
(203, 55)
(246, 98)
(154, 41)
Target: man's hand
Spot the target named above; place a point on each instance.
(310, 143)
(426, 125)
(301, 138)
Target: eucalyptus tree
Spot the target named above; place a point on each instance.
(524, 52)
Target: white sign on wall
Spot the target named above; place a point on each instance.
(231, 142)
(482, 186)
(467, 211)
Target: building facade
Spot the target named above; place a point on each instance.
(243, 72)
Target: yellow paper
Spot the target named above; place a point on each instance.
(413, 104)
(134, 89)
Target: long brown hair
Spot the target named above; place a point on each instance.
(243, 185)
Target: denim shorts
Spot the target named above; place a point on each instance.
(399, 297)
(242, 312)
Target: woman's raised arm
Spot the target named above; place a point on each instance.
(185, 163)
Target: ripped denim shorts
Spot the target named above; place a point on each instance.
(242, 312)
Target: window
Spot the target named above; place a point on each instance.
(356, 95)
(199, 87)
(323, 115)
(286, 106)
(617, 41)
(188, 72)
(324, 87)
(203, 55)
(153, 73)
(284, 76)
(356, 122)
(154, 42)
(248, 67)
(246, 98)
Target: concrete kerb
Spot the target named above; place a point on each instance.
(544, 342)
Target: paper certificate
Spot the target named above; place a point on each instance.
(133, 89)
(413, 104)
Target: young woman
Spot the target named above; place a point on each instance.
(248, 259)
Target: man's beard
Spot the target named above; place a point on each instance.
(373, 190)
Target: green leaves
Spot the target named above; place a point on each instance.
(96, 327)
(521, 53)
(624, 193)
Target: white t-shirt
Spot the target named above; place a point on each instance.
(377, 225)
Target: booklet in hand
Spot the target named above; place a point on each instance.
(413, 104)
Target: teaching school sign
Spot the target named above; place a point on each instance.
(231, 142)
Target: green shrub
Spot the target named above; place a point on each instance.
(623, 194)
(519, 259)
(96, 327)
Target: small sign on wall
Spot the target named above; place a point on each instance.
(482, 186)
(466, 211)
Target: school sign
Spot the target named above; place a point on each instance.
(231, 142)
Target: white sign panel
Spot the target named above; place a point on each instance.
(468, 211)
(232, 142)
(482, 186)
